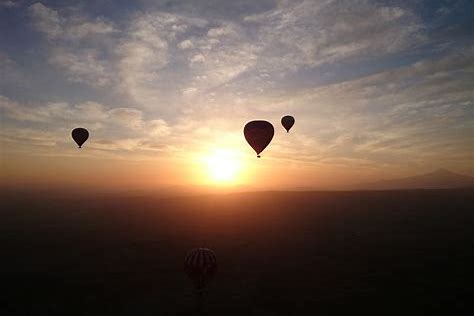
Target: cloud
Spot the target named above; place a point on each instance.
(5, 60)
(9, 3)
(135, 60)
(157, 128)
(186, 44)
(50, 124)
(224, 30)
(221, 56)
(46, 20)
(51, 113)
(311, 33)
(199, 58)
(130, 118)
(189, 91)
(10, 70)
(142, 54)
(77, 44)
(83, 66)
(72, 27)
(394, 115)
(88, 113)
(24, 137)
(145, 55)
(86, 28)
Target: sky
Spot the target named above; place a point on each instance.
(379, 89)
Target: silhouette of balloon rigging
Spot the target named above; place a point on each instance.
(200, 265)
(80, 135)
(259, 134)
(287, 122)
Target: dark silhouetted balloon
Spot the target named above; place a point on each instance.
(200, 265)
(80, 135)
(259, 134)
(287, 122)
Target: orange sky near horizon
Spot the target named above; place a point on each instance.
(252, 173)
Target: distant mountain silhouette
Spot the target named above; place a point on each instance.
(438, 179)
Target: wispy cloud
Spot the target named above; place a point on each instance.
(10, 3)
(53, 123)
(315, 32)
(71, 27)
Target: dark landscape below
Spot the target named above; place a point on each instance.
(279, 253)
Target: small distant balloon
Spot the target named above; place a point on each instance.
(287, 121)
(80, 135)
(200, 265)
(259, 134)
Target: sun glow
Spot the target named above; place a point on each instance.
(223, 166)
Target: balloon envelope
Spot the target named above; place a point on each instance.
(287, 122)
(80, 135)
(200, 265)
(258, 134)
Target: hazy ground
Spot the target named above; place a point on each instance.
(409, 252)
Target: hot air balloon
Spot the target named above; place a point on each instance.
(200, 265)
(258, 134)
(80, 135)
(287, 121)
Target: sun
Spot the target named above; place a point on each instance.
(223, 166)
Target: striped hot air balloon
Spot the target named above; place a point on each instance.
(200, 265)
